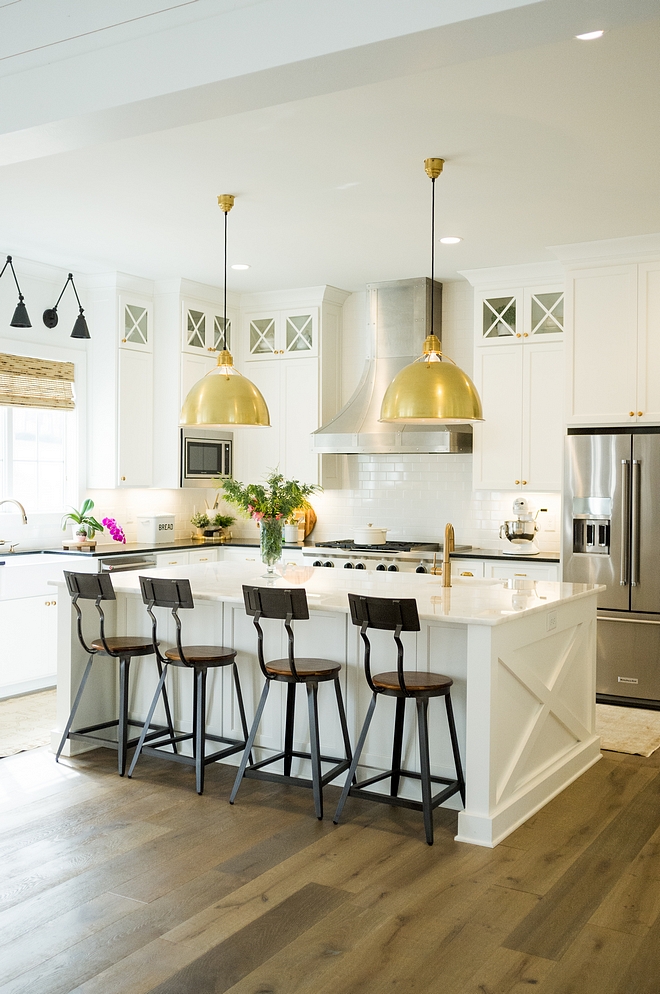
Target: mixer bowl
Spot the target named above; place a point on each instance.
(518, 532)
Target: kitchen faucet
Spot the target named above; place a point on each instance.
(448, 547)
(10, 500)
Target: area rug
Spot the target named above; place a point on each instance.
(628, 729)
(26, 722)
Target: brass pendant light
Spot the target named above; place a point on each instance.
(224, 398)
(432, 389)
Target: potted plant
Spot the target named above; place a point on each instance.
(201, 522)
(270, 506)
(87, 525)
(222, 521)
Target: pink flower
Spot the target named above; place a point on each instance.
(257, 515)
(115, 530)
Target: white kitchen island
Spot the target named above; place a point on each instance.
(523, 664)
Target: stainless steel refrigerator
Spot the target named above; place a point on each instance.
(611, 535)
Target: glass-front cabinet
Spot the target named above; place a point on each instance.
(287, 333)
(203, 328)
(521, 315)
(135, 324)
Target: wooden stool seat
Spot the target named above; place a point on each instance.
(129, 645)
(202, 655)
(432, 684)
(306, 668)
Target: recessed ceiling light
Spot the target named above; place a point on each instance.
(240, 265)
(590, 35)
(451, 240)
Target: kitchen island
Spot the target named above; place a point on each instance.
(522, 659)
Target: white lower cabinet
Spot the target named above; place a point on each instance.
(522, 570)
(28, 662)
(172, 558)
(203, 556)
(248, 554)
(467, 567)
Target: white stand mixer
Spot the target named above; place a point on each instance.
(520, 534)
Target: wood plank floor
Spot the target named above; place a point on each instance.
(109, 886)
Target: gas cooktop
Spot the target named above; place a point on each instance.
(348, 545)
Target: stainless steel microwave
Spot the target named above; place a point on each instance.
(205, 455)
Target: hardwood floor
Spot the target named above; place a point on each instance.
(110, 885)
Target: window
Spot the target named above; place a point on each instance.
(37, 453)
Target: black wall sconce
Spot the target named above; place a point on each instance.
(20, 318)
(51, 317)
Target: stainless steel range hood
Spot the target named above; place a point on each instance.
(399, 321)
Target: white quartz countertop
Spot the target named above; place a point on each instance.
(470, 600)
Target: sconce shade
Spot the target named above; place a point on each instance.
(20, 318)
(80, 329)
(223, 398)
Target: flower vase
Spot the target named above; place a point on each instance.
(271, 543)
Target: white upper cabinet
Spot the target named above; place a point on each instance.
(203, 327)
(120, 422)
(278, 333)
(613, 356)
(519, 373)
(520, 315)
(290, 349)
(135, 323)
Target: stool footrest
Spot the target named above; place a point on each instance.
(255, 772)
(175, 757)
(453, 787)
(84, 734)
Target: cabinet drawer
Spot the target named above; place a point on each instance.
(172, 559)
(247, 555)
(467, 567)
(203, 556)
(536, 571)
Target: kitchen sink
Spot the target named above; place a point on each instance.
(28, 575)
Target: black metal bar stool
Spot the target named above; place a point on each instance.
(291, 605)
(98, 587)
(177, 595)
(401, 616)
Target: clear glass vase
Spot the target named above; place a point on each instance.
(271, 543)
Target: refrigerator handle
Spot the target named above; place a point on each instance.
(634, 532)
(625, 519)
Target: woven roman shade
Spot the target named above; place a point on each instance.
(28, 382)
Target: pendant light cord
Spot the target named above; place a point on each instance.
(224, 319)
(432, 253)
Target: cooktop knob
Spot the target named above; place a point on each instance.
(317, 562)
(381, 566)
(348, 565)
(360, 566)
(421, 569)
(329, 564)
(392, 569)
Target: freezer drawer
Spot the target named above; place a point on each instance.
(629, 656)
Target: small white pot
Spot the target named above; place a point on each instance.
(370, 536)
(291, 533)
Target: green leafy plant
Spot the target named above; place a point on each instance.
(87, 524)
(200, 520)
(223, 521)
(277, 499)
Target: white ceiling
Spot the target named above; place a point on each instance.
(546, 143)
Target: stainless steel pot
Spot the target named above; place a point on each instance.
(519, 532)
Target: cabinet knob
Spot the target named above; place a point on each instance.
(524, 483)
(518, 335)
(525, 335)
(123, 478)
(639, 414)
(517, 483)
(632, 414)
(123, 339)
